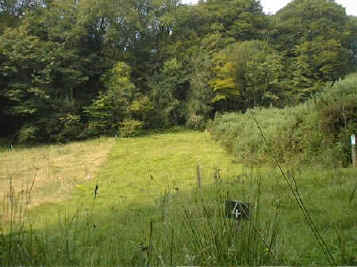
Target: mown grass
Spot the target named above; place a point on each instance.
(140, 169)
(51, 170)
(149, 211)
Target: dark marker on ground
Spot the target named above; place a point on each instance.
(96, 191)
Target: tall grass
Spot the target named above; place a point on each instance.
(182, 228)
(316, 132)
(202, 234)
(191, 227)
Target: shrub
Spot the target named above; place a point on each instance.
(129, 128)
(196, 122)
(314, 132)
(27, 134)
(111, 106)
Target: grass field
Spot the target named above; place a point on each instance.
(149, 211)
(140, 169)
(52, 171)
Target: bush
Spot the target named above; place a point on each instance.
(129, 128)
(27, 134)
(196, 122)
(112, 105)
(317, 131)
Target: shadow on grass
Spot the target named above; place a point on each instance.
(190, 228)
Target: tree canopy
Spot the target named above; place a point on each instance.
(73, 69)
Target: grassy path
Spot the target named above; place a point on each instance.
(139, 170)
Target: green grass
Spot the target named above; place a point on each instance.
(51, 171)
(140, 169)
(149, 211)
(137, 172)
(316, 132)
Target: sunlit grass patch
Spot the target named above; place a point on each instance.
(140, 169)
(53, 170)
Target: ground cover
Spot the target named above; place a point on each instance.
(140, 169)
(50, 172)
(149, 211)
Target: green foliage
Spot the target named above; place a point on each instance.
(130, 128)
(24, 71)
(317, 48)
(27, 134)
(71, 126)
(301, 21)
(169, 93)
(315, 132)
(42, 74)
(183, 63)
(199, 105)
(241, 20)
(318, 62)
(352, 26)
(142, 109)
(111, 107)
(249, 74)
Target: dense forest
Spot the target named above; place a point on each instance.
(73, 69)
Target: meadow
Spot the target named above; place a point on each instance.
(148, 209)
(50, 172)
(40, 185)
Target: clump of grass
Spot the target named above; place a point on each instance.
(200, 233)
(276, 234)
(13, 216)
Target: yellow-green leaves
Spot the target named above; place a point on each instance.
(224, 84)
(247, 74)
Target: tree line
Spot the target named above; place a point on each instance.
(74, 69)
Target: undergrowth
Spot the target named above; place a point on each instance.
(314, 133)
